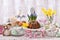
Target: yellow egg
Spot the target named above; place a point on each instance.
(25, 25)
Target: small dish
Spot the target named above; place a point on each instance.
(16, 31)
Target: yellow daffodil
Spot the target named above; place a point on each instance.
(25, 25)
(51, 12)
(44, 11)
(54, 12)
(48, 12)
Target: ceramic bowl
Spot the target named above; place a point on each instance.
(16, 31)
(34, 33)
(51, 33)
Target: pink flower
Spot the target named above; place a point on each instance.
(28, 31)
(43, 33)
(43, 21)
(35, 35)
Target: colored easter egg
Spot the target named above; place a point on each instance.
(14, 32)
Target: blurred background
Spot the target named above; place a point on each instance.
(9, 8)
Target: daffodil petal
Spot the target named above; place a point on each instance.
(44, 11)
(50, 12)
(54, 12)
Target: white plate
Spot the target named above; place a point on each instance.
(33, 29)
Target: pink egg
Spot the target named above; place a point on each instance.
(1, 29)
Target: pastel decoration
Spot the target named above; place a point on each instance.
(6, 32)
(14, 32)
(35, 34)
(1, 29)
(20, 31)
(43, 33)
(28, 33)
(25, 25)
(58, 33)
(51, 33)
(13, 19)
(46, 26)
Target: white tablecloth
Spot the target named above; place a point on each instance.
(25, 38)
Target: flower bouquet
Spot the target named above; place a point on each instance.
(51, 31)
(49, 14)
